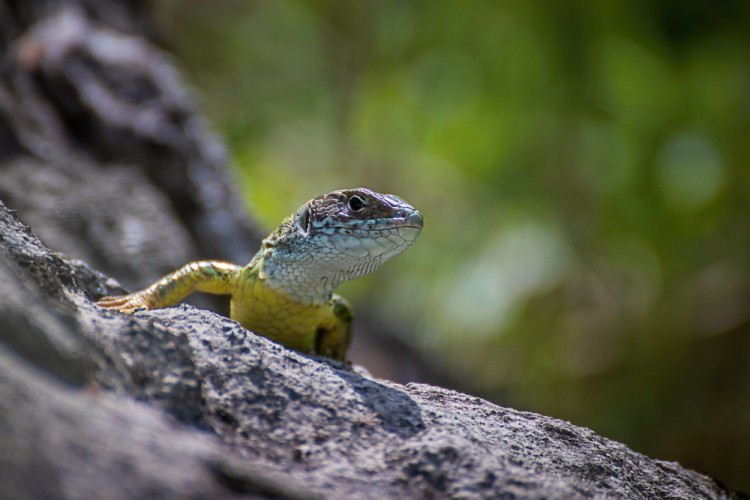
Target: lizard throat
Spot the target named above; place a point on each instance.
(309, 282)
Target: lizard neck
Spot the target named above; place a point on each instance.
(299, 280)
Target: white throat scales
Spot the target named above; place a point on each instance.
(310, 269)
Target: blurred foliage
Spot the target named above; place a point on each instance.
(582, 170)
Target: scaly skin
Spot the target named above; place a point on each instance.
(286, 293)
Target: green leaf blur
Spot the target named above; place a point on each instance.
(582, 170)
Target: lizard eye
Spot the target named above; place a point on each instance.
(356, 203)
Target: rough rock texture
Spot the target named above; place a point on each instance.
(184, 403)
(61, 435)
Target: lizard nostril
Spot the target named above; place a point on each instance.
(416, 219)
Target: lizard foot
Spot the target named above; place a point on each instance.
(124, 303)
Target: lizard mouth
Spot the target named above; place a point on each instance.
(412, 221)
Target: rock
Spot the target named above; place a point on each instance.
(61, 434)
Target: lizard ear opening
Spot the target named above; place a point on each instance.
(303, 220)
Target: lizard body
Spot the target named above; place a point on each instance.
(286, 293)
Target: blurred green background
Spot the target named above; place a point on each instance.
(582, 170)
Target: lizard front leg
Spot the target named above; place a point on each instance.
(209, 276)
(333, 342)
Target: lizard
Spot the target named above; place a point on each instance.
(286, 291)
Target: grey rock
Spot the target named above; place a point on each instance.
(61, 434)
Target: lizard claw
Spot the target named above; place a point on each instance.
(124, 303)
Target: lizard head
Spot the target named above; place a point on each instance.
(336, 237)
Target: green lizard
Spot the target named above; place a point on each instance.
(286, 293)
